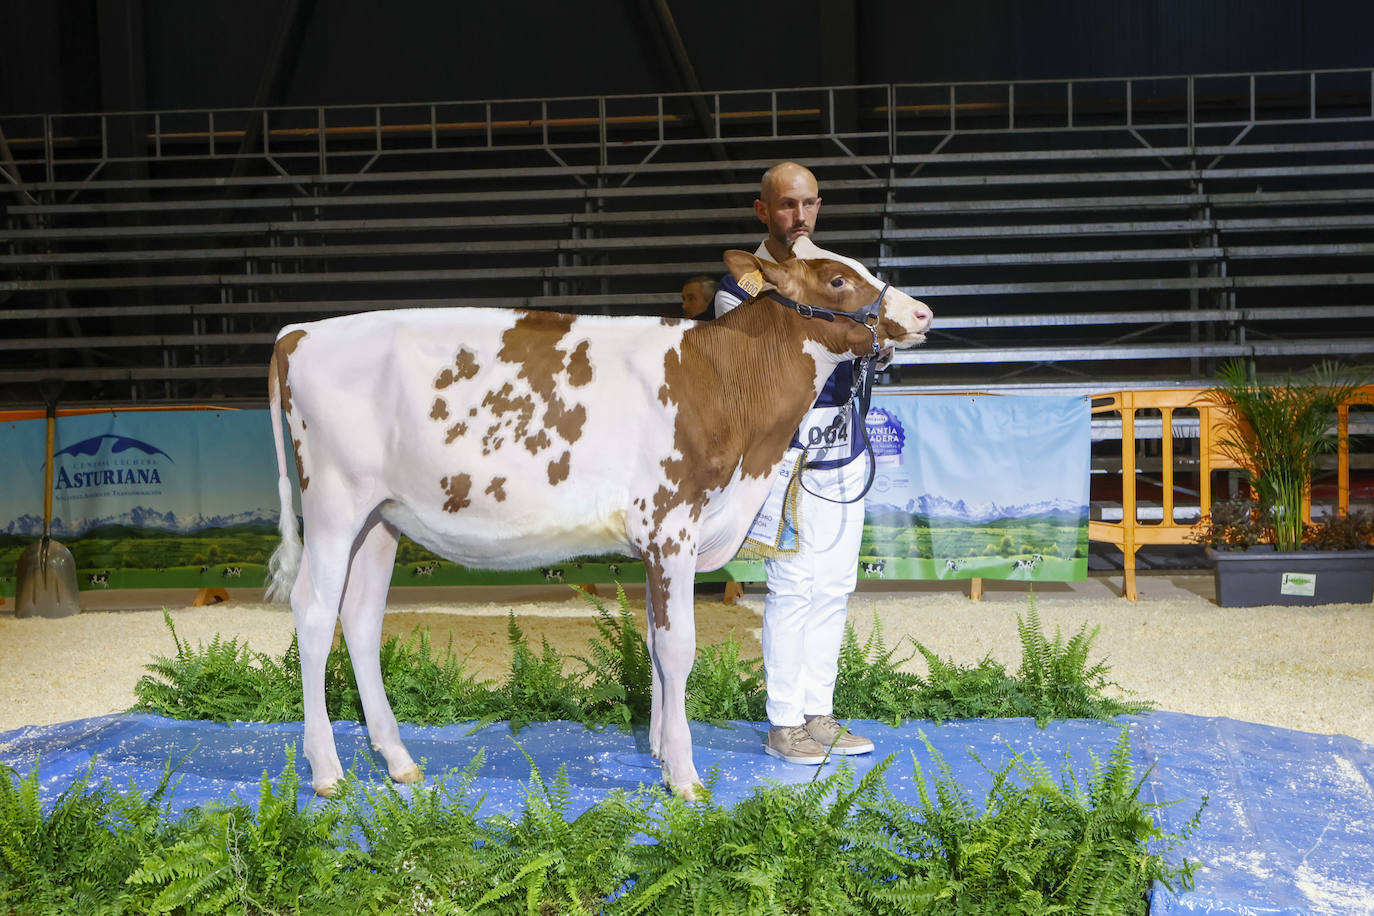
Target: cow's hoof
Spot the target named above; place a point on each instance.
(410, 774)
(327, 788)
(689, 791)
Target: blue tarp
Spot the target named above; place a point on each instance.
(1288, 829)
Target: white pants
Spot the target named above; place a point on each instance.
(808, 595)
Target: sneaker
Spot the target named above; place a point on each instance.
(793, 744)
(838, 739)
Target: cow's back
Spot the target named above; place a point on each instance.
(498, 438)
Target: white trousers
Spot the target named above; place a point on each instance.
(808, 597)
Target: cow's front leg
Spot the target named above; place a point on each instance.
(674, 644)
(656, 679)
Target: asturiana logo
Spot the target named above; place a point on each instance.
(117, 470)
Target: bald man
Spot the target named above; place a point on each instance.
(808, 592)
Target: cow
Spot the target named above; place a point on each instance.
(552, 575)
(954, 565)
(231, 572)
(510, 439)
(425, 569)
(101, 578)
(875, 568)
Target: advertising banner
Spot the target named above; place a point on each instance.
(146, 499)
(978, 486)
(965, 486)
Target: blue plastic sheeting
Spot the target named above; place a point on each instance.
(1288, 829)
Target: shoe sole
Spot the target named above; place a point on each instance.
(800, 761)
(858, 749)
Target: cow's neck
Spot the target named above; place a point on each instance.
(768, 378)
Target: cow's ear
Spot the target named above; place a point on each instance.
(749, 272)
(740, 262)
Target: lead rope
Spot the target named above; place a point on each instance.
(861, 391)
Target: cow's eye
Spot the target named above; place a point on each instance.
(837, 282)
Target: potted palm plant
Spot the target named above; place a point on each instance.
(1265, 552)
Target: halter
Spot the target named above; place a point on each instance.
(862, 390)
(866, 316)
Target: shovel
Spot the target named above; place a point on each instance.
(45, 577)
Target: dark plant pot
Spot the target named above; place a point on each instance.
(1260, 575)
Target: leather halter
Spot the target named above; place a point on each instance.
(866, 316)
(862, 390)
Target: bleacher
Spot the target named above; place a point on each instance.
(1080, 235)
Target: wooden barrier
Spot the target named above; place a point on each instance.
(1133, 532)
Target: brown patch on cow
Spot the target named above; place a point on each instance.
(558, 470)
(457, 487)
(533, 345)
(454, 432)
(496, 489)
(281, 354)
(538, 442)
(567, 423)
(300, 468)
(439, 409)
(278, 383)
(657, 586)
(664, 396)
(579, 366)
(501, 403)
(472, 411)
(466, 363)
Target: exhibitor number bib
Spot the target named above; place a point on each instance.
(827, 434)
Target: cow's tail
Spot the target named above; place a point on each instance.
(286, 559)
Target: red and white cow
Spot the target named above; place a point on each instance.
(514, 439)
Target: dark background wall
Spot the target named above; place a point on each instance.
(109, 55)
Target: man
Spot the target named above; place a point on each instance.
(697, 294)
(808, 592)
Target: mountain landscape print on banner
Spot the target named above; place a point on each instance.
(143, 517)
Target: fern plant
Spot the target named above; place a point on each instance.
(870, 683)
(835, 845)
(1036, 845)
(784, 849)
(619, 674)
(222, 682)
(1056, 679)
(722, 686)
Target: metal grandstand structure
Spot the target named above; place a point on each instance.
(1083, 235)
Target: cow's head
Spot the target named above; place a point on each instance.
(819, 282)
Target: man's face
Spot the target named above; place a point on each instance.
(693, 302)
(789, 206)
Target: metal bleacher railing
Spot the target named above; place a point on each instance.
(1084, 234)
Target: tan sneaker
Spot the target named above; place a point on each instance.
(793, 744)
(838, 739)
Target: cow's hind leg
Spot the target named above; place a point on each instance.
(315, 620)
(364, 605)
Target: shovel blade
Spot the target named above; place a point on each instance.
(45, 581)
